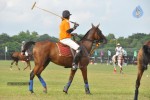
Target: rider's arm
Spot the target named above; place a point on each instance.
(72, 29)
(116, 49)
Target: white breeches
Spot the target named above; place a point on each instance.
(70, 43)
(26, 54)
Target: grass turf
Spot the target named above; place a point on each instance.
(104, 84)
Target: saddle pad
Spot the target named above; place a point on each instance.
(64, 50)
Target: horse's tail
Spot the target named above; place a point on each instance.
(11, 55)
(27, 46)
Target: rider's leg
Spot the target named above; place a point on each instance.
(27, 55)
(76, 59)
(74, 46)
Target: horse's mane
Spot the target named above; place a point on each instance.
(85, 35)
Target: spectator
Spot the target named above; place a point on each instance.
(109, 56)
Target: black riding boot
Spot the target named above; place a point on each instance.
(76, 59)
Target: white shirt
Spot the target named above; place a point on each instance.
(118, 50)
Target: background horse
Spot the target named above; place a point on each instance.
(142, 62)
(16, 56)
(120, 61)
(46, 51)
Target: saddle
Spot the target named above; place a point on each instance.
(64, 50)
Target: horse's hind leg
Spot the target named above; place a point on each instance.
(11, 64)
(84, 74)
(40, 78)
(32, 74)
(139, 76)
(66, 87)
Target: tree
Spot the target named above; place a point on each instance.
(4, 38)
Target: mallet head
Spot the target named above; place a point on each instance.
(33, 6)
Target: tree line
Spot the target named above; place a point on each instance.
(13, 43)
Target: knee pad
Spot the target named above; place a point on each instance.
(78, 50)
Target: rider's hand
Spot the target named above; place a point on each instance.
(74, 34)
(75, 26)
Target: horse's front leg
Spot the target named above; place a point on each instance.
(28, 65)
(66, 87)
(120, 65)
(139, 76)
(84, 74)
(17, 65)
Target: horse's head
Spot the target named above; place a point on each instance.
(98, 35)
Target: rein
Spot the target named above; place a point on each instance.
(97, 42)
(96, 46)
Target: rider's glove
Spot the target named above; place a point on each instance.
(75, 26)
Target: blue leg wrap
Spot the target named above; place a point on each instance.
(69, 83)
(67, 86)
(86, 85)
(42, 81)
(31, 85)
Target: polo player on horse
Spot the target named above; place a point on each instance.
(65, 37)
(119, 50)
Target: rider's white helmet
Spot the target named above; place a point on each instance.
(118, 44)
(23, 42)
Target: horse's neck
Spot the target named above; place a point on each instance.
(119, 57)
(88, 45)
(87, 41)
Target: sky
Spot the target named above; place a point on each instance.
(114, 16)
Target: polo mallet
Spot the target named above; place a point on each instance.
(34, 5)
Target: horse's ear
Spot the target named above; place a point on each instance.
(92, 25)
(98, 25)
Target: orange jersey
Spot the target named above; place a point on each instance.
(64, 26)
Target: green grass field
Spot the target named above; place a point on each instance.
(104, 84)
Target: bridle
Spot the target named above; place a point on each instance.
(96, 42)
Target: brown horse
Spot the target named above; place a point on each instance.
(16, 56)
(142, 62)
(46, 51)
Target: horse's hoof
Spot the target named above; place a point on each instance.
(45, 91)
(65, 92)
(89, 93)
(31, 91)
